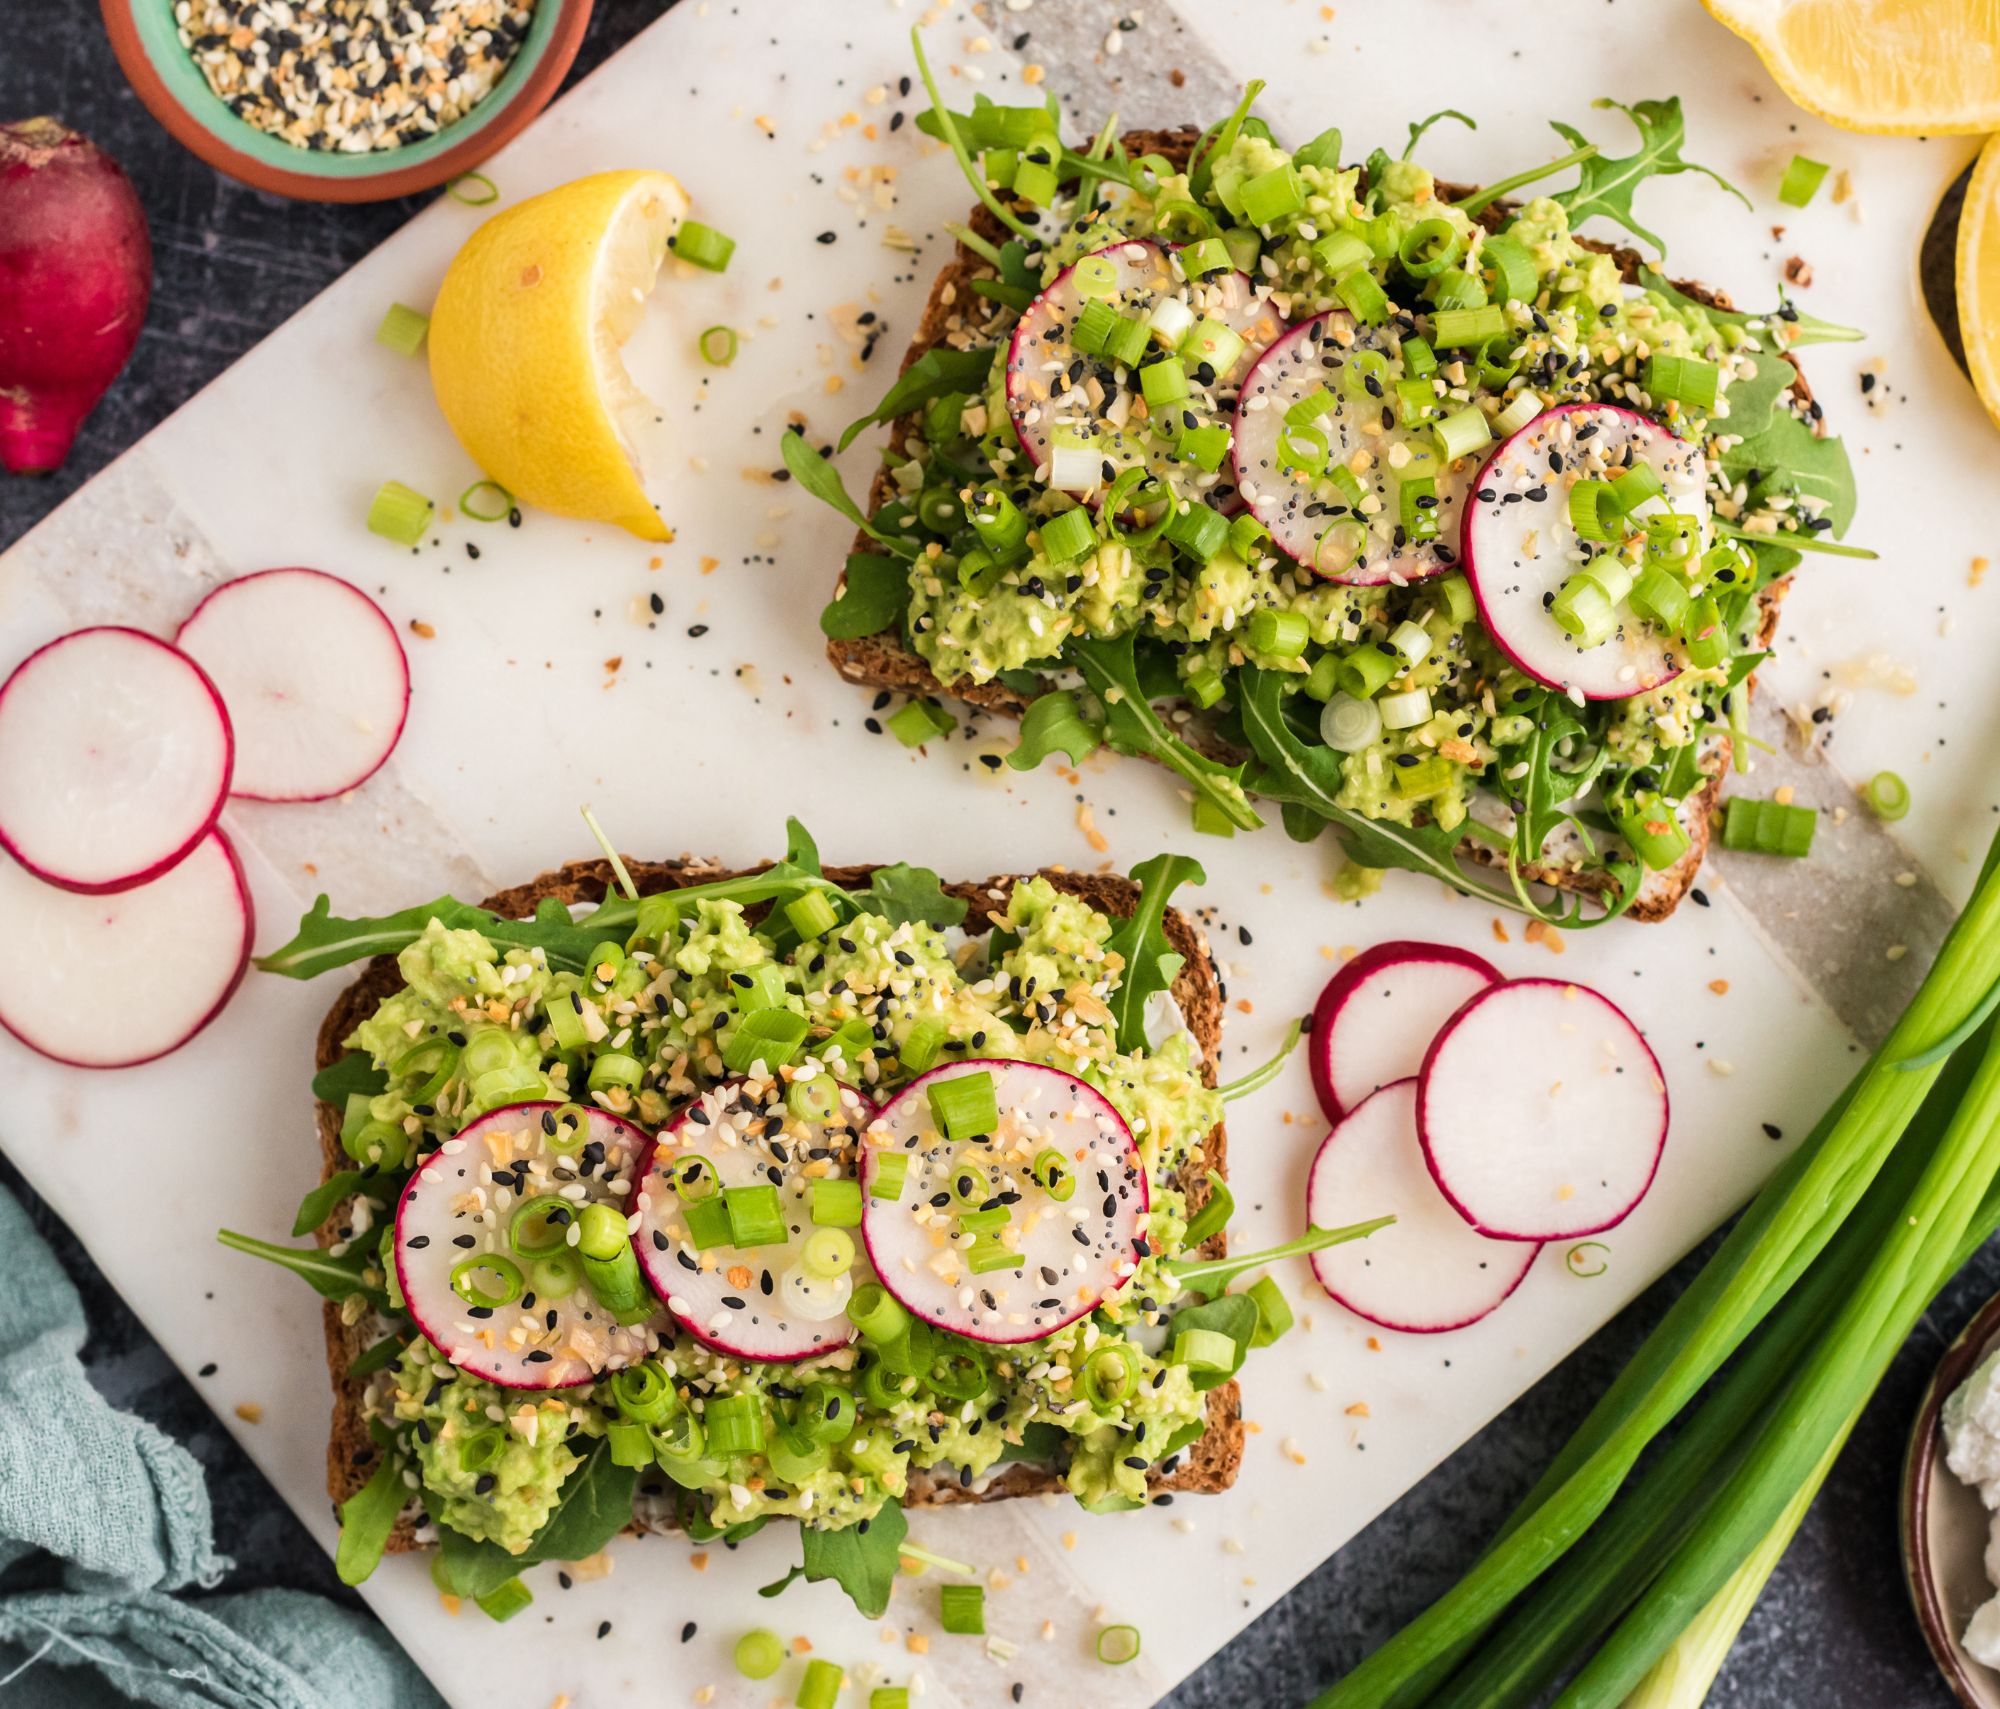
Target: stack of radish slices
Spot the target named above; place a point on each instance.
(123, 905)
(1491, 1116)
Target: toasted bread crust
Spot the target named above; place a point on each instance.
(882, 660)
(1210, 1464)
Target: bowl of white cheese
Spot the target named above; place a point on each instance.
(1951, 1512)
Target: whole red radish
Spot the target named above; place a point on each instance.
(76, 271)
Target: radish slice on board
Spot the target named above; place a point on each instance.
(1379, 1013)
(1428, 1272)
(109, 981)
(314, 677)
(758, 1302)
(1308, 407)
(1542, 1111)
(115, 756)
(1074, 1250)
(475, 1198)
(1074, 413)
(1520, 545)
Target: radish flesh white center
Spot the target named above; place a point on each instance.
(1429, 1271)
(1379, 1013)
(767, 1298)
(1323, 454)
(1082, 414)
(314, 677)
(1005, 1231)
(489, 1252)
(1542, 1111)
(1522, 545)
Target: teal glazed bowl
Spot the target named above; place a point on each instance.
(147, 42)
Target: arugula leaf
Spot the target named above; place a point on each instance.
(1015, 297)
(352, 1073)
(1788, 458)
(902, 893)
(933, 374)
(325, 940)
(1754, 397)
(778, 1586)
(1263, 1074)
(1785, 326)
(1040, 1445)
(1323, 151)
(1486, 195)
(697, 1527)
(1604, 186)
(1053, 724)
(947, 128)
(1212, 1275)
(874, 594)
(1140, 937)
(801, 851)
(380, 1356)
(1233, 1315)
(1417, 130)
(863, 1562)
(318, 1205)
(1132, 727)
(367, 1517)
(819, 478)
(1538, 794)
(331, 1278)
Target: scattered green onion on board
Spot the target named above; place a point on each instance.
(920, 721)
(962, 1609)
(1887, 795)
(474, 189)
(402, 329)
(486, 501)
(1587, 1259)
(702, 246)
(1769, 827)
(1117, 1645)
(823, 1679)
(1801, 181)
(718, 346)
(504, 1601)
(759, 1653)
(399, 513)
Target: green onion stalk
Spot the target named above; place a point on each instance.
(1776, 1241)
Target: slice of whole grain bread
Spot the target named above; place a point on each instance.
(955, 315)
(1208, 1465)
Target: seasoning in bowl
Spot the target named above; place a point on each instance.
(1972, 1451)
(352, 76)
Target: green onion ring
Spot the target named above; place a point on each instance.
(456, 189)
(465, 1283)
(467, 508)
(1570, 1259)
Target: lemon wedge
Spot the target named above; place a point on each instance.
(525, 343)
(1880, 65)
(1978, 277)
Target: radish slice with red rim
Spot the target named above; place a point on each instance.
(1308, 409)
(759, 1302)
(313, 674)
(1076, 1247)
(1521, 546)
(482, 1221)
(115, 755)
(110, 981)
(1428, 1272)
(1379, 1013)
(1074, 412)
(1542, 1111)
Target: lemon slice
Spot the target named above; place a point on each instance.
(1880, 65)
(1979, 277)
(525, 345)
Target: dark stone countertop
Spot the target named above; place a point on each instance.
(1834, 1628)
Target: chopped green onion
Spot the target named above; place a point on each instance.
(1214, 1215)
(735, 1423)
(1126, 343)
(1303, 450)
(1323, 679)
(717, 345)
(642, 1392)
(1801, 181)
(964, 1105)
(1094, 327)
(1205, 446)
(756, 1215)
(1274, 1311)
(1213, 344)
(989, 1221)
(1364, 671)
(1273, 195)
(821, 1684)
(829, 1252)
(812, 915)
(1340, 544)
(1412, 640)
(630, 1444)
(1209, 255)
(1573, 1258)
(1513, 270)
(1095, 277)
(504, 1601)
(615, 1068)
(1522, 408)
(1366, 376)
(988, 1254)
(1204, 1350)
(1459, 327)
(1706, 639)
(1278, 634)
(1109, 1376)
(1887, 795)
(962, 1609)
(1205, 687)
(1416, 507)
(1769, 827)
(702, 246)
(891, 1171)
(1683, 379)
(1582, 610)
(1654, 831)
(1362, 297)
(1247, 536)
(1198, 531)
(540, 1225)
(875, 1312)
(1404, 711)
(1347, 483)
(1459, 605)
(1671, 539)
(1209, 820)
(770, 1036)
(998, 522)
(1661, 598)
(402, 329)
(922, 1046)
(889, 1697)
(1461, 433)
(1419, 360)
(1054, 1175)
(465, 187)
(1340, 253)
(694, 1178)
(1117, 1645)
(616, 1282)
(399, 513)
(488, 1280)
(759, 1653)
(1635, 486)
(1593, 511)
(1245, 245)
(1424, 778)
(1068, 536)
(1429, 247)
(478, 1452)
(708, 1223)
(1163, 383)
(560, 1274)
(1035, 181)
(1416, 401)
(915, 723)
(836, 1204)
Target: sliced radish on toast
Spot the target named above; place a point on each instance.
(489, 1249)
(1521, 545)
(313, 674)
(1379, 1013)
(1429, 1272)
(115, 755)
(1542, 1111)
(1054, 1191)
(781, 1297)
(1077, 412)
(110, 981)
(1320, 408)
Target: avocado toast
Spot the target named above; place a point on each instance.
(1268, 577)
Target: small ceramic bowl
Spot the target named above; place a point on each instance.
(1945, 1524)
(147, 41)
